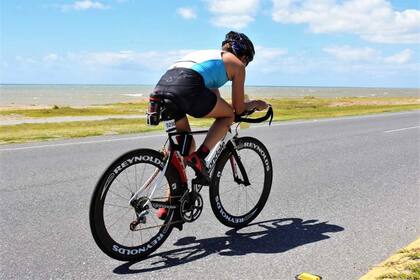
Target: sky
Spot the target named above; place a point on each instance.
(345, 43)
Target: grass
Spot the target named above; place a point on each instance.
(48, 131)
(32, 132)
(284, 109)
(410, 271)
(405, 264)
(138, 108)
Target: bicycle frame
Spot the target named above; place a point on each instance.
(210, 160)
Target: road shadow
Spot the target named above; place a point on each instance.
(266, 237)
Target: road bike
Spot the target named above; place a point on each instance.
(126, 200)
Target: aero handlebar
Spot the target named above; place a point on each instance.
(268, 115)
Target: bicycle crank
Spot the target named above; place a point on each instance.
(191, 207)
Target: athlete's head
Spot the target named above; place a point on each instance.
(240, 45)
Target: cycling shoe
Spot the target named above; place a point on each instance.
(199, 166)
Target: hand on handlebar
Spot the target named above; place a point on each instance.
(269, 114)
(255, 105)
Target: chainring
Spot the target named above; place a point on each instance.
(191, 207)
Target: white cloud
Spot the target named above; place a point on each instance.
(85, 5)
(268, 54)
(268, 60)
(187, 13)
(25, 60)
(353, 54)
(235, 14)
(51, 57)
(400, 58)
(372, 20)
(153, 60)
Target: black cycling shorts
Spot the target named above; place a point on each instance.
(185, 87)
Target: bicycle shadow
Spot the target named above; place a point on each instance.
(272, 237)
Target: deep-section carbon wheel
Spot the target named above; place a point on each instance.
(130, 231)
(234, 203)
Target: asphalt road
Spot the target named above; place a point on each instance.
(345, 196)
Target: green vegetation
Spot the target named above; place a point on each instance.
(284, 109)
(408, 265)
(313, 108)
(31, 132)
(411, 272)
(56, 111)
(48, 131)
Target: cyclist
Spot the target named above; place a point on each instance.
(193, 83)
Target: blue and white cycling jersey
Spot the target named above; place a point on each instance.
(208, 63)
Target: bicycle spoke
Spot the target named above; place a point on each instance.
(109, 215)
(117, 194)
(126, 235)
(141, 237)
(142, 174)
(252, 201)
(246, 199)
(254, 190)
(135, 176)
(153, 218)
(119, 182)
(259, 182)
(128, 181)
(115, 205)
(232, 189)
(119, 218)
(237, 200)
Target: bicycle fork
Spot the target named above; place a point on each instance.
(235, 162)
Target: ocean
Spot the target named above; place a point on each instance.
(82, 95)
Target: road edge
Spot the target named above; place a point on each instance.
(390, 265)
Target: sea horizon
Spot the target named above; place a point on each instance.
(13, 95)
(225, 86)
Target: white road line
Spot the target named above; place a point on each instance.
(401, 129)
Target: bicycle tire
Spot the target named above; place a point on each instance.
(101, 234)
(218, 202)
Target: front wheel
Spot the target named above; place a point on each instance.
(234, 203)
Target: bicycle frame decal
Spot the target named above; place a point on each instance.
(128, 251)
(261, 152)
(217, 150)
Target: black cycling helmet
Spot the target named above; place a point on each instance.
(241, 45)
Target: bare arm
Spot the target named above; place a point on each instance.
(238, 92)
(235, 69)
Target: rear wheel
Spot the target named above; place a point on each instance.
(233, 203)
(131, 231)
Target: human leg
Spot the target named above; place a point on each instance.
(183, 125)
(223, 113)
